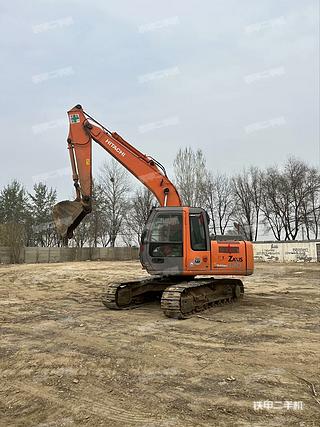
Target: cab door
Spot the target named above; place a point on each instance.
(197, 256)
(162, 247)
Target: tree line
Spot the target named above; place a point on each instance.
(282, 202)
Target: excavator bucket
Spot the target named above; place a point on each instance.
(67, 215)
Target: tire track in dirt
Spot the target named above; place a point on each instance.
(107, 410)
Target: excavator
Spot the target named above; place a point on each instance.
(176, 247)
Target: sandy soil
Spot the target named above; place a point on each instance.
(68, 361)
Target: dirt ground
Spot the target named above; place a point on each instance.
(66, 360)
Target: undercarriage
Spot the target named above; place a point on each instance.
(180, 297)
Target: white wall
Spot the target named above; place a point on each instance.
(286, 251)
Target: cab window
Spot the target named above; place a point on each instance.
(198, 232)
(166, 236)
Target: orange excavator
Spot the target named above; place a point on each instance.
(176, 246)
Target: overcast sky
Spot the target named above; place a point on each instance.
(238, 79)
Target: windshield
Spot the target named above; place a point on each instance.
(166, 235)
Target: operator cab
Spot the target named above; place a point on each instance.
(171, 236)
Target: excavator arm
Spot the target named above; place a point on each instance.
(82, 130)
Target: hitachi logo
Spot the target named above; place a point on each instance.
(117, 149)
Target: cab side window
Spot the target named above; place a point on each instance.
(198, 232)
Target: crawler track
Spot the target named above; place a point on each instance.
(128, 294)
(184, 299)
(125, 295)
(180, 298)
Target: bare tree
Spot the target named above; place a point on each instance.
(271, 202)
(191, 176)
(247, 189)
(314, 213)
(98, 220)
(294, 190)
(310, 206)
(219, 202)
(291, 200)
(114, 183)
(140, 206)
(81, 234)
(256, 194)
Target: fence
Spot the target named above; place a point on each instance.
(37, 255)
(295, 251)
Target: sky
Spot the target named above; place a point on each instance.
(237, 79)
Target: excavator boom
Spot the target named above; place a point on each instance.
(82, 130)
